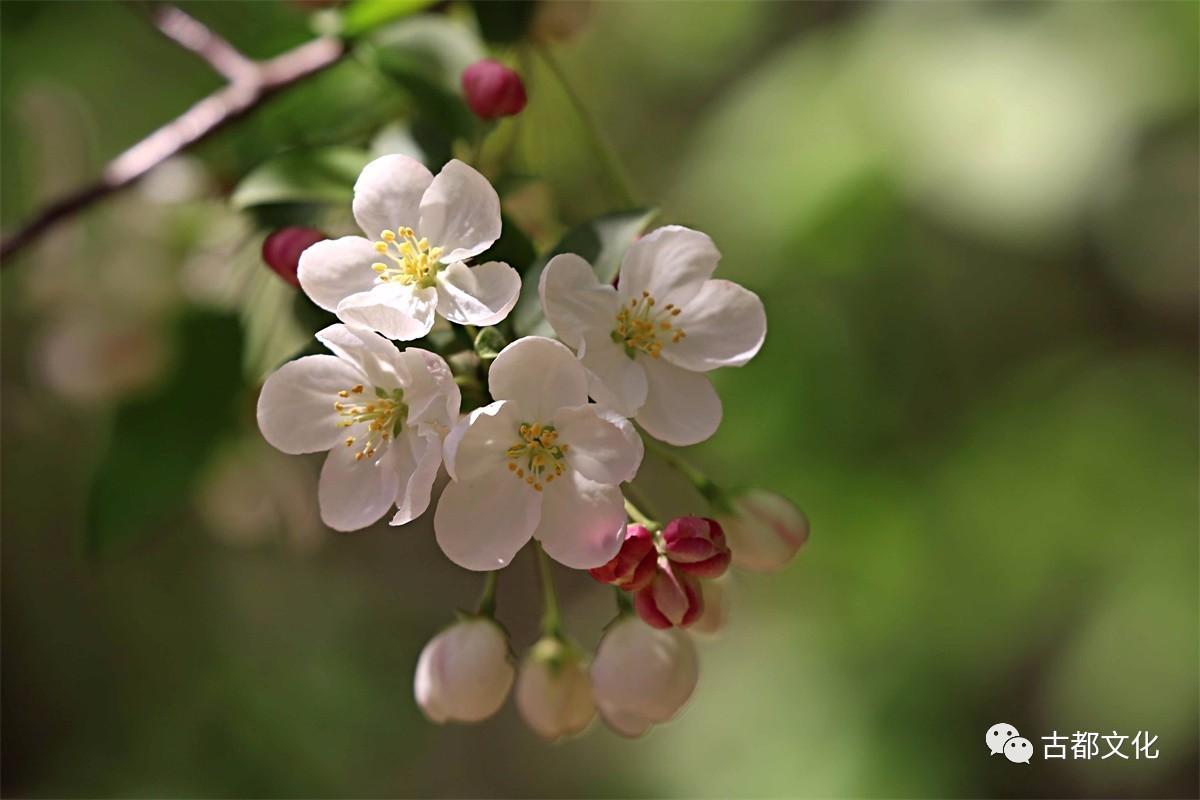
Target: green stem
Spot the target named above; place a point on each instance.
(599, 144)
(487, 600)
(637, 516)
(624, 604)
(704, 484)
(551, 621)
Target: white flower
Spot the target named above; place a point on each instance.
(381, 413)
(647, 343)
(420, 229)
(540, 461)
(464, 673)
(642, 676)
(554, 694)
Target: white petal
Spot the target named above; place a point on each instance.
(626, 722)
(539, 376)
(295, 407)
(416, 458)
(395, 310)
(477, 444)
(641, 676)
(574, 301)
(681, 407)
(464, 673)
(480, 295)
(725, 326)
(353, 494)
(583, 522)
(482, 523)
(599, 449)
(429, 388)
(460, 213)
(332, 270)
(614, 379)
(372, 354)
(387, 194)
(638, 447)
(671, 263)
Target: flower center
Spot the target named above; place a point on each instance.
(383, 416)
(537, 458)
(640, 324)
(414, 262)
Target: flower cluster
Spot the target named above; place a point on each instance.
(546, 453)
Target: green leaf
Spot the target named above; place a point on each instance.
(314, 175)
(602, 242)
(162, 441)
(489, 342)
(504, 21)
(513, 247)
(363, 16)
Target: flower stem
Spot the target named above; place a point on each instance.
(487, 600)
(599, 144)
(551, 621)
(704, 484)
(637, 515)
(624, 604)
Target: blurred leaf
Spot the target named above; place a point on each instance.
(513, 247)
(325, 174)
(489, 343)
(504, 21)
(362, 16)
(161, 442)
(601, 241)
(273, 332)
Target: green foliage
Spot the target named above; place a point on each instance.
(513, 247)
(161, 442)
(601, 241)
(363, 16)
(324, 174)
(489, 342)
(504, 21)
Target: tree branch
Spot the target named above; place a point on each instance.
(251, 83)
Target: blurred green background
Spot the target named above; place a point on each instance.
(975, 230)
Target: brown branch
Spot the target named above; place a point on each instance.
(251, 83)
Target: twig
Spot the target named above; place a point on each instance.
(251, 83)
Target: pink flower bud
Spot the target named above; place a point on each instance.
(281, 250)
(765, 530)
(715, 615)
(697, 546)
(464, 673)
(633, 567)
(493, 90)
(554, 695)
(673, 598)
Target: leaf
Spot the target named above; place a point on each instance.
(489, 343)
(602, 242)
(313, 175)
(503, 21)
(513, 247)
(363, 16)
(162, 441)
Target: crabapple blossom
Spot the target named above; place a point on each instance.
(696, 545)
(554, 694)
(765, 530)
(672, 598)
(464, 673)
(380, 412)
(538, 462)
(493, 90)
(647, 343)
(634, 565)
(642, 676)
(420, 230)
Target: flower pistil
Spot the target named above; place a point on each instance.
(538, 457)
(384, 417)
(640, 324)
(415, 261)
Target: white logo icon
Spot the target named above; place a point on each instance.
(1018, 750)
(1000, 733)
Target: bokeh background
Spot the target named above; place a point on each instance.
(975, 230)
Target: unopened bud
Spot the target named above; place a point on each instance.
(554, 694)
(282, 248)
(633, 567)
(464, 673)
(696, 545)
(493, 90)
(765, 530)
(672, 598)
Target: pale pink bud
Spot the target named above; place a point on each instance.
(493, 90)
(715, 614)
(672, 598)
(765, 530)
(641, 676)
(633, 566)
(464, 673)
(696, 545)
(281, 250)
(554, 694)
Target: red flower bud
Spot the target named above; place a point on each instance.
(673, 598)
(493, 90)
(696, 545)
(281, 250)
(633, 567)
